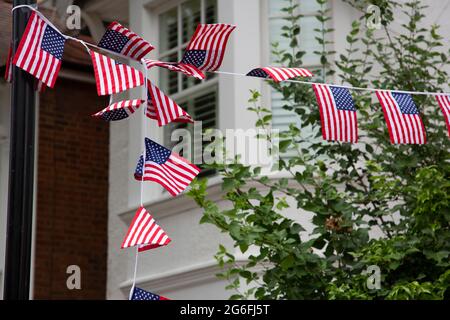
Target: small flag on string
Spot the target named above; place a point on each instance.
(163, 109)
(38, 85)
(145, 232)
(40, 50)
(279, 73)
(168, 169)
(402, 117)
(119, 110)
(140, 294)
(444, 103)
(113, 77)
(337, 113)
(119, 39)
(8, 66)
(186, 69)
(207, 46)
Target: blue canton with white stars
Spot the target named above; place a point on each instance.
(53, 42)
(194, 57)
(113, 40)
(155, 153)
(115, 115)
(260, 73)
(343, 99)
(139, 294)
(405, 102)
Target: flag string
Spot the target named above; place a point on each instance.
(135, 272)
(87, 44)
(338, 85)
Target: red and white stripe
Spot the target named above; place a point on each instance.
(174, 175)
(113, 78)
(444, 103)
(163, 109)
(145, 232)
(186, 69)
(8, 70)
(403, 128)
(213, 38)
(280, 74)
(337, 125)
(31, 58)
(136, 48)
(130, 106)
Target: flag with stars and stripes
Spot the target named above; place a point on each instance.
(207, 46)
(40, 50)
(8, 66)
(337, 113)
(402, 117)
(186, 69)
(119, 39)
(444, 103)
(140, 294)
(38, 85)
(145, 232)
(163, 109)
(279, 73)
(113, 77)
(119, 110)
(163, 166)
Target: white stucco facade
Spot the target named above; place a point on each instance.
(186, 268)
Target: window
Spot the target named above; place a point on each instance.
(198, 97)
(308, 8)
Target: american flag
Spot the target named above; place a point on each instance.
(140, 294)
(145, 232)
(279, 73)
(163, 109)
(113, 77)
(186, 69)
(8, 70)
(207, 46)
(168, 169)
(119, 110)
(444, 103)
(40, 50)
(402, 117)
(121, 40)
(337, 113)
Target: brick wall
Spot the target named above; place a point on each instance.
(72, 192)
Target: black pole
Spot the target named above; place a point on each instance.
(21, 172)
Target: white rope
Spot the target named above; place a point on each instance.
(86, 44)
